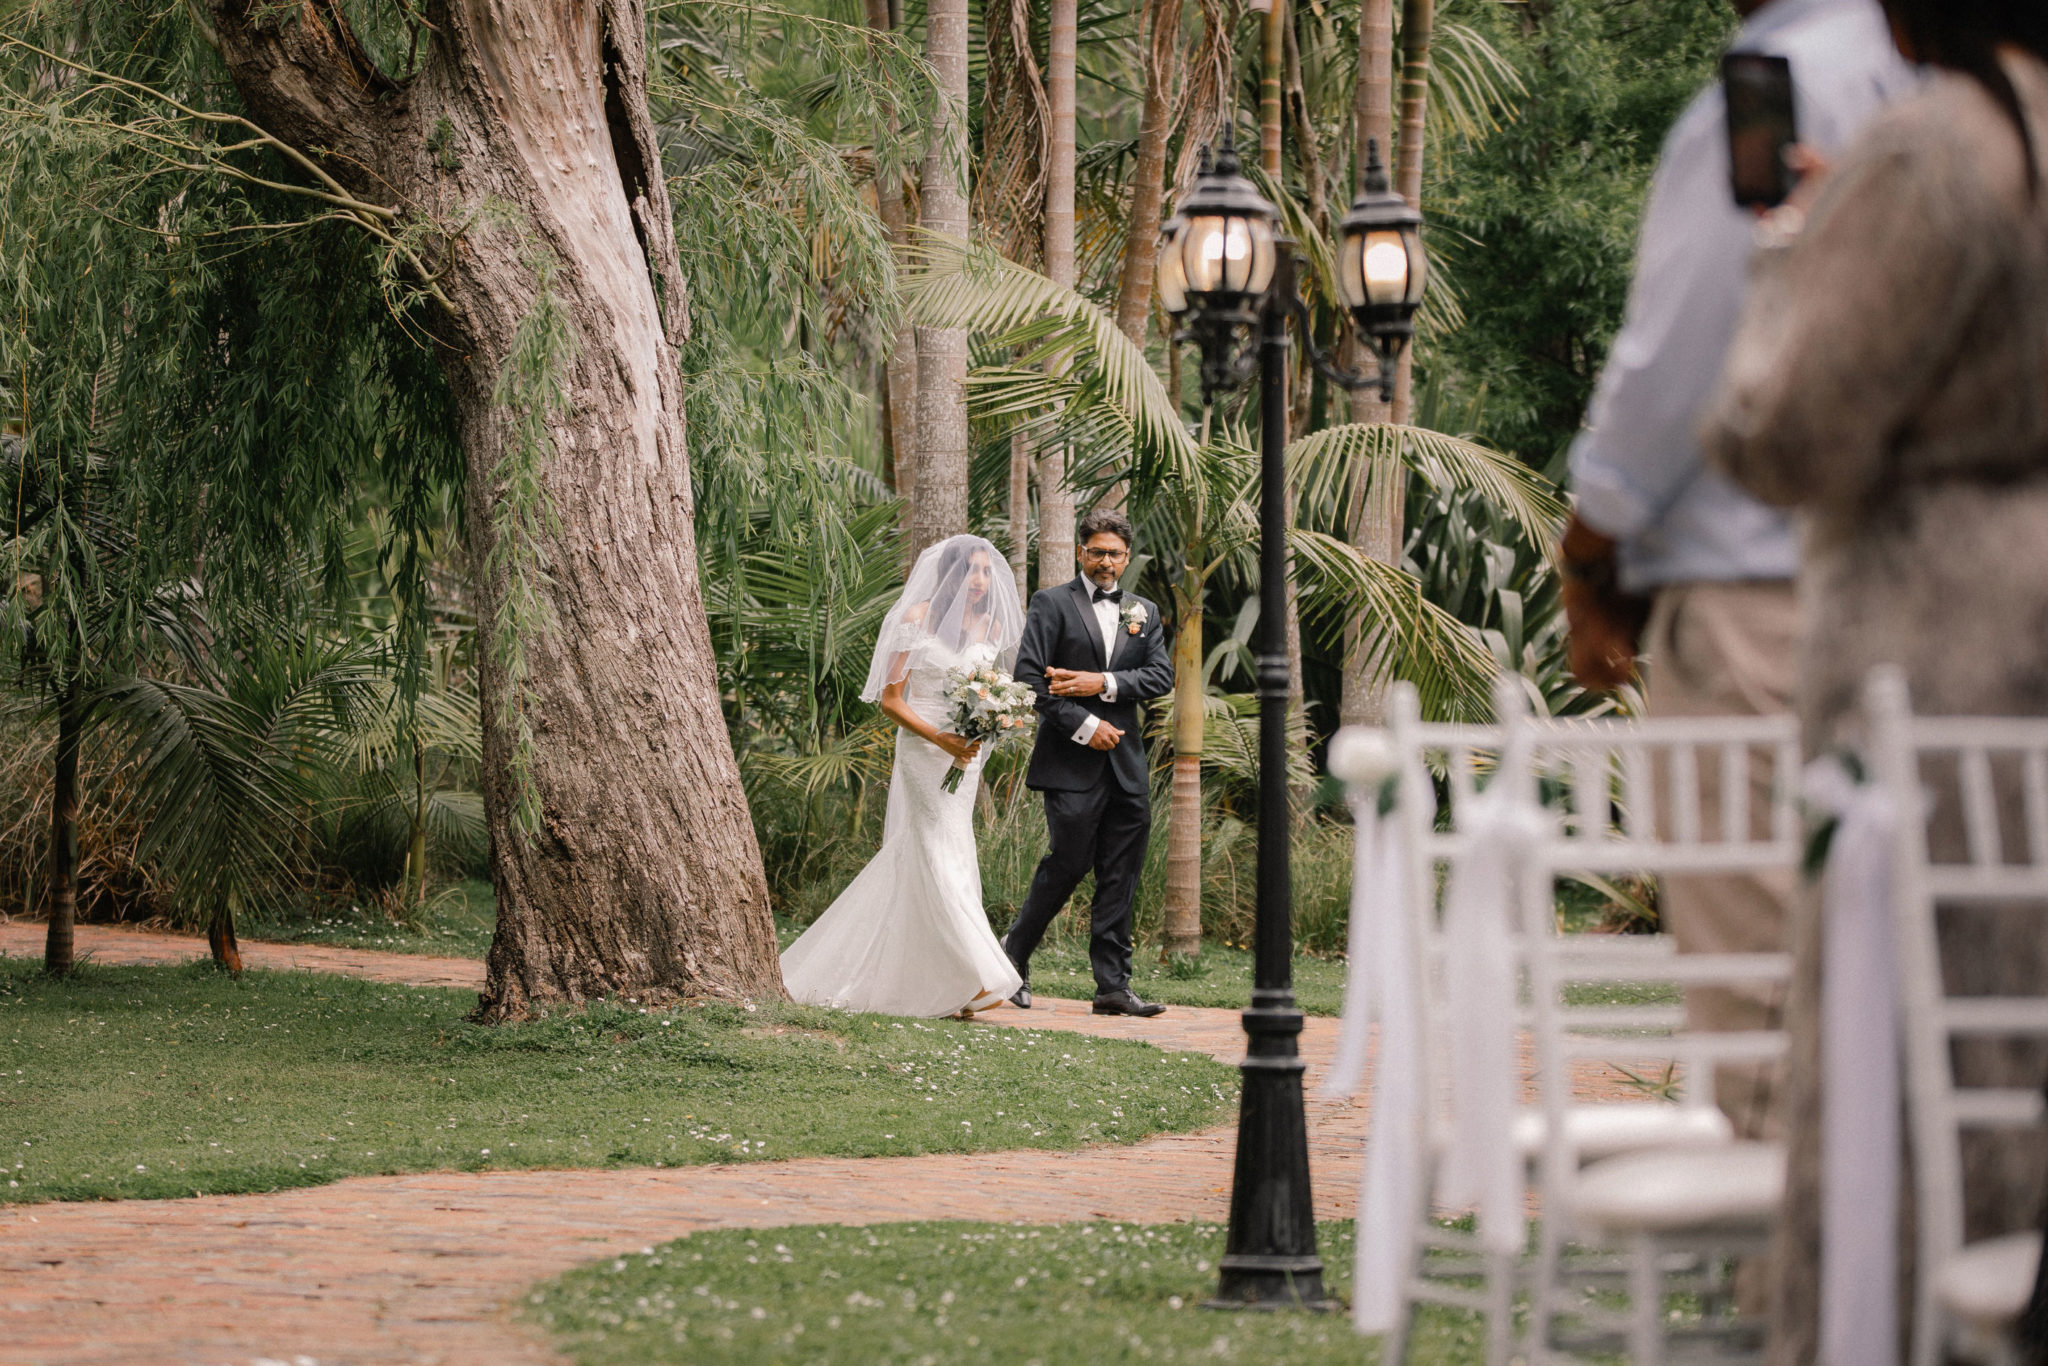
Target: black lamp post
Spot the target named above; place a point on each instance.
(1228, 275)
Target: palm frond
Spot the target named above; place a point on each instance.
(951, 284)
(1420, 641)
(1324, 466)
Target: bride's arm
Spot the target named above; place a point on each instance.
(899, 710)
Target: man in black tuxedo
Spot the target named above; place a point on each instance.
(1092, 653)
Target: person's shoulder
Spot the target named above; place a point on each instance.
(1050, 596)
(1950, 137)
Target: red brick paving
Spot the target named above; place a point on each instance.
(426, 1268)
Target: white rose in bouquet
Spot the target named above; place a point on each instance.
(986, 705)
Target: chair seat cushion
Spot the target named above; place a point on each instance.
(1988, 1283)
(1597, 1131)
(1737, 1186)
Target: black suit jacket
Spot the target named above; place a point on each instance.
(1060, 631)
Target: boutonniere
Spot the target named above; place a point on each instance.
(1133, 616)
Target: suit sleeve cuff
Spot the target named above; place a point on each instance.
(1109, 687)
(1087, 730)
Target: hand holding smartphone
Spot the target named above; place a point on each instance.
(1762, 127)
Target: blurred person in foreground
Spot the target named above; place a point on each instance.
(1665, 547)
(1889, 382)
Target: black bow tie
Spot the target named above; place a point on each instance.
(1109, 595)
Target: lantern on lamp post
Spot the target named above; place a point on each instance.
(1226, 275)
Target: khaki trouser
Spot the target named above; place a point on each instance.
(1729, 649)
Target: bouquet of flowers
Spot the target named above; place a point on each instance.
(987, 705)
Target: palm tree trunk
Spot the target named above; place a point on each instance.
(1272, 71)
(220, 937)
(1374, 522)
(1161, 34)
(1020, 514)
(1184, 813)
(1055, 499)
(1418, 24)
(1272, 49)
(59, 946)
(900, 372)
(1308, 147)
(940, 507)
(416, 846)
(1372, 105)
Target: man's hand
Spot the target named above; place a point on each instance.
(1073, 683)
(1605, 623)
(1105, 737)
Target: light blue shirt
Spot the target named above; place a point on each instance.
(1637, 468)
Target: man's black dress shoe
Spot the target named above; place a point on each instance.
(1126, 1002)
(1022, 998)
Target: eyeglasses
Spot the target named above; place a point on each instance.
(1089, 552)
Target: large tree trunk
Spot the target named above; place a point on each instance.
(940, 509)
(640, 872)
(1160, 32)
(900, 375)
(1055, 499)
(1374, 522)
(59, 948)
(1184, 813)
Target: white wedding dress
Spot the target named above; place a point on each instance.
(909, 936)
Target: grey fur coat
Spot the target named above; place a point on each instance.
(1890, 382)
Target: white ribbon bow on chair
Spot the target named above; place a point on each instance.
(1381, 987)
(1859, 1074)
(1482, 1169)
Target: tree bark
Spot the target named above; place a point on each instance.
(940, 509)
(221, 940)
(1161, 34)
(1184, 812)
(1272, 71)
(1372, 105)
(900, 373)
(1020, 514)
(1272, 63)
(1016, 118)
(1055, 499)
(1418, 25)
(641, 873)
(59, 939)
(1374, 521)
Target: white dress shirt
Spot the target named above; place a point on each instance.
(1638, 468)
(1108, 616)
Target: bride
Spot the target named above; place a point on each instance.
(909, 936)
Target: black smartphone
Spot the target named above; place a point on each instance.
(1761, 126)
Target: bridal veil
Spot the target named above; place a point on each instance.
(961, 593)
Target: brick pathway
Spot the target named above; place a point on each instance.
(422, 1269)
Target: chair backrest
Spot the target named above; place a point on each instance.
(1623, 796)
(1970, 797)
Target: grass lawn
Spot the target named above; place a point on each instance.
(991, 1294)
(168, 1081)
(456, 922)
(1219, 977)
